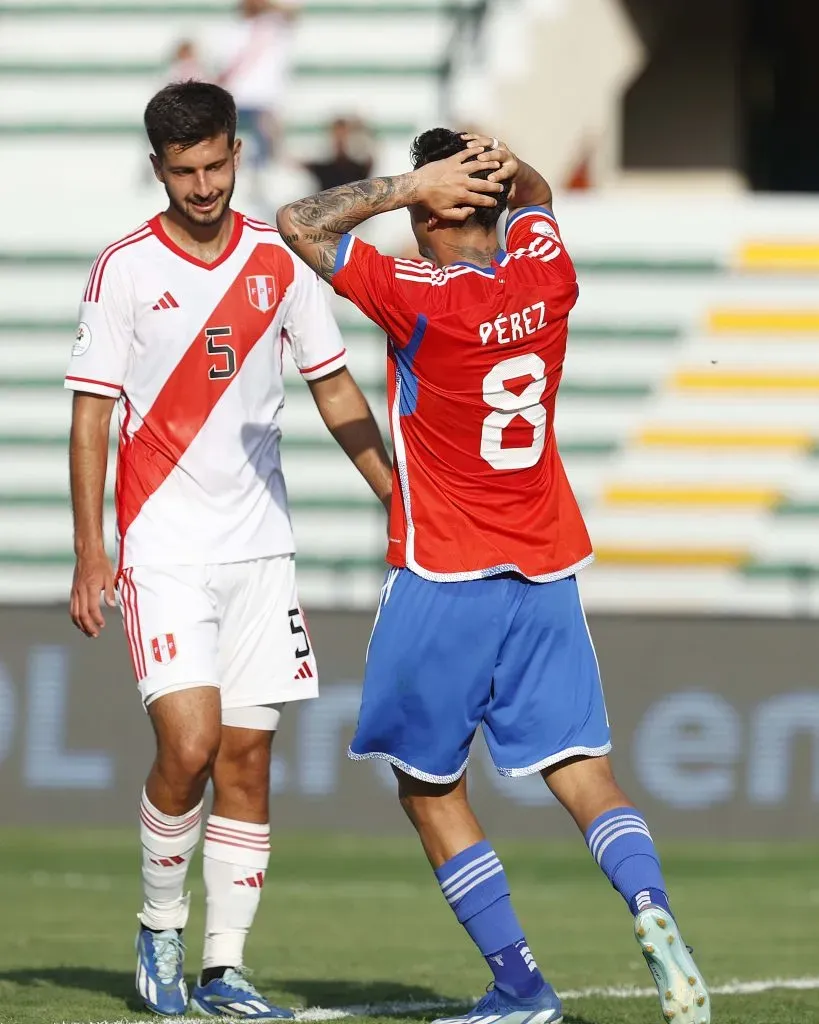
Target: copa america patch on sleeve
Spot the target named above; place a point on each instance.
(82, 340)
(543, 227)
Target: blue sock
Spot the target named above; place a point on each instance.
(474, 884)
(621, 844)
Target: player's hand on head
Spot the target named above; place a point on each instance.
(494, 151)
(93, 576)
(447, 188)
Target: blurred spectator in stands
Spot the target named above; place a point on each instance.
(350, 158)
(252, 58)
(185, 63)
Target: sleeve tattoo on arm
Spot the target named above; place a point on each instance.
(313, 226)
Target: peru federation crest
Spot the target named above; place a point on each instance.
(163, 648)
(261, 290)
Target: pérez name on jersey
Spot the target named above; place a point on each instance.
(505, 328)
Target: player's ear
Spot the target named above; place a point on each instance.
(156, 163)
(237, 154)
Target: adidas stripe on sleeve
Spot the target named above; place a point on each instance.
(99, 356)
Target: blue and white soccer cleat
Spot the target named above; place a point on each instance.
(233, 996)
(499, 1007)
(683, 994)
(159, 979)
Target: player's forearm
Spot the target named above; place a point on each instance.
(349, 419)
(364, 447)
(313, 226)
(531, 188)
(88, 463)
(361, 441)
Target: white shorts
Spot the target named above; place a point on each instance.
(238, 626)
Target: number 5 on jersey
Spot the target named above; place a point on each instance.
(224, 365)
(508, 406)
(298, 630)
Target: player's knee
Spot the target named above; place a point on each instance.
(191, 757)
(244, 769)
(423, 801)
(252, 767)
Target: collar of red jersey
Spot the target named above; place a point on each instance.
(487, 271)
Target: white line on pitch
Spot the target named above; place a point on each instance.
(400, 1009)
(734, 988)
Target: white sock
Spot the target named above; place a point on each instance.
(167, 845)
(235, 862)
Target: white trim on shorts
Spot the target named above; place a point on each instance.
(175, 688)
(408, 769)
(562, 755)
(386, 590)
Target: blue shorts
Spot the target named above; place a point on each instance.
(512, 656)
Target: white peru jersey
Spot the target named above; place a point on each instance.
(193, 351)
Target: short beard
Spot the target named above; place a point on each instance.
(209, 219)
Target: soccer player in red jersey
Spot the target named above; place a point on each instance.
(480, 621)
(184, 325)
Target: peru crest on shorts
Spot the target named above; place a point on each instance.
(261, 290)
(163, 648)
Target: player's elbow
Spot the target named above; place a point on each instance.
(284, 222)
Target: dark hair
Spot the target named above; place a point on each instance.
(185, 113)
(438, 144)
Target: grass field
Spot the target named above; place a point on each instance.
(354, 921)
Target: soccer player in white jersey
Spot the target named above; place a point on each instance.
(183, 324)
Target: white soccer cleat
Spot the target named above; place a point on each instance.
(683, 994)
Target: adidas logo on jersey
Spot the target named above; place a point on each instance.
(304, 672)
(166, 302)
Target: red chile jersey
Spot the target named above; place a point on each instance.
(475, 357)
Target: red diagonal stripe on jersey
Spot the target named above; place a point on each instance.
(171, 300)
(188, 397)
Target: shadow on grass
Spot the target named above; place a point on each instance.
(306, 992)
(386, 998)
(338, 992)
(96, 981)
